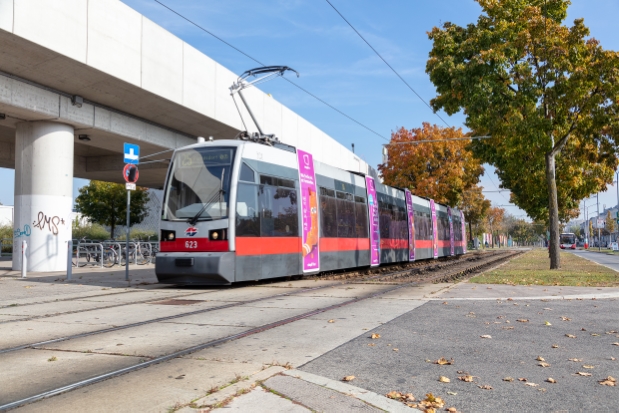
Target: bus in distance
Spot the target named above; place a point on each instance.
(567, 240)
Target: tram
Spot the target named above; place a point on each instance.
(237, 210)
(254, 208)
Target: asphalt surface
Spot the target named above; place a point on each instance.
(605, 259)
(453, 330)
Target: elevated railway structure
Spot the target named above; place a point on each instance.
(80, 77)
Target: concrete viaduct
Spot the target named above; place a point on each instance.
(80, 77)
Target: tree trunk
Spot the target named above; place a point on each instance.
(553, 212)
(112, 230)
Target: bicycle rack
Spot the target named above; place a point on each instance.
(87, 245)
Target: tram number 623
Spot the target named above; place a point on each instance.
(191, 244)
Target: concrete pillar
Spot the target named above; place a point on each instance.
(43, 194)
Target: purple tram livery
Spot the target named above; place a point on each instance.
(241, 210)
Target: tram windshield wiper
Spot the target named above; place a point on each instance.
(216, 195)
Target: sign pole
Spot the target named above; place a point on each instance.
(127, 244)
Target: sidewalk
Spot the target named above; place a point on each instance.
(402, 360)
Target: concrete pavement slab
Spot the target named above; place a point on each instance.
(240, 316)
(52, 296)
(243, 293)
(28, 372)
(19, 333)
(151, 340)
(159, 388)
(223, 395)
(455, 330)
(416, 292)
(503, 291)
(316, 397)
(347, 291)
(297, 302)
(304, 340)
(128, 314)
(260, 400)
(50, 309)
(138, 295)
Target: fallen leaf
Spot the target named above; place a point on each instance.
(540, 358)
(452, 393)
(371, 344)
(331, 321)
(544, 364)
(349, 378)
(576, 360)
(583, 329)
(485, 387)
(467, 378)
(432, 402)
(507, 328)
(444, 379)
(570, 336)
(580, 373)
(375, 336)
(531, 384)
(612, 358)
(394, 395)
(522, 379)
(541, 389)
(486, 336)
(586, 366)
(595, 334)
(396, 349)
(409, 397)
(508, 379)
(608, 381)
(522, 320)
(451, 410)
(547, 323)
(445, 302)
(551, 380)
(565, 318)
(443, 361)
(555, 346)
(615, 344)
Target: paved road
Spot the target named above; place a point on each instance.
(608, 260)
(453, 330)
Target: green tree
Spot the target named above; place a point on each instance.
(475, 208)
(546, 93)
(105, 203)
(439, 170)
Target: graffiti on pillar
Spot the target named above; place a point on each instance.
(25, 233)
(51, 223)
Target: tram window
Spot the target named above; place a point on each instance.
(361, 219)
(328, 213)
(274, 181)
(247, 211)
(246, 173)
(345, 216)
(279, 216)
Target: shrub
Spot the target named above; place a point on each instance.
(143, 234)
(90, 231)
(6, 234)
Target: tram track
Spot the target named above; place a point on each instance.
(448, 274)
(375, 279)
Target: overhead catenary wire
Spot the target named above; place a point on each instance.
(387, 63)
(260, 63)
(438, 140)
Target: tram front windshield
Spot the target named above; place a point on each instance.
(199, 185)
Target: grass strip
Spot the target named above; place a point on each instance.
(532, 268)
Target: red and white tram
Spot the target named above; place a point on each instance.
(237, 210)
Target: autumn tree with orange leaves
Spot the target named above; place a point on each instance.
(440, 170)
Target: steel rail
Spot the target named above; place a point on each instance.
(192, 349)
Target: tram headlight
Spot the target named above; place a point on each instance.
(167, 235)
(218, 235)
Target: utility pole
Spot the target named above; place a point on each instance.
(598, 223)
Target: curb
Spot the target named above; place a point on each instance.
(367, 396)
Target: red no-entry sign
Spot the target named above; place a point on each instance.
(131, 173)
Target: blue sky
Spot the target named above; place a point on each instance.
(337, 66)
